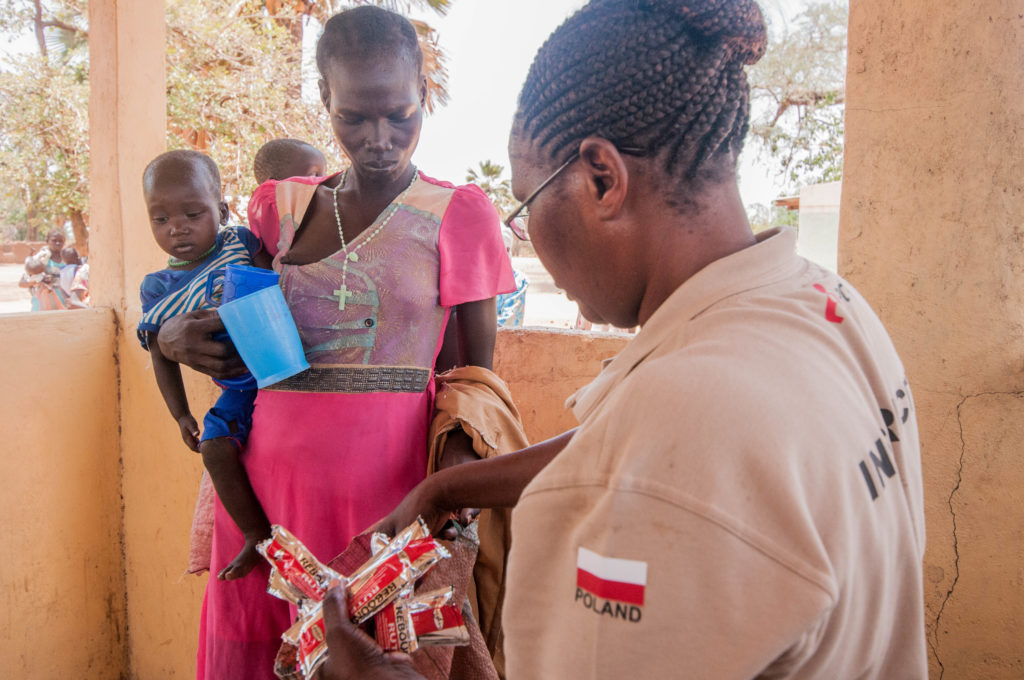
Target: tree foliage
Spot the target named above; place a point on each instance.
(766, 217)
(229, 91)
(234, 82)
(798, 92)
(488, 176)
(44, 124)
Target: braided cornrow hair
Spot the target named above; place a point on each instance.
(663, 75)
(367, 32)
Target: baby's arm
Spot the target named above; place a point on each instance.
(168, 379)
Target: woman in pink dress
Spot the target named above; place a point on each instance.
(373, 263)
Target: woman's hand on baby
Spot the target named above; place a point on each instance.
(189, 431)
(186, 339)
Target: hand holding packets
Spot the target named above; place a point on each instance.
(298, 577)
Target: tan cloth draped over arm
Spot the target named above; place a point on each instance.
(479, 402)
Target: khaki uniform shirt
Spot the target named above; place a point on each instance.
(742, 499)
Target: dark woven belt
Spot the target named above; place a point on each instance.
(356, 379)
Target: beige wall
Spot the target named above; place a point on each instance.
(931, 233)
(62, 580)
(543, 368)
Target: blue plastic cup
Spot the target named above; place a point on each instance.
(262, 328)
(239, 280)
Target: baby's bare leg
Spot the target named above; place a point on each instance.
(220, 456)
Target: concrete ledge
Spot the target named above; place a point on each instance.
(62, 577)
(543, 367)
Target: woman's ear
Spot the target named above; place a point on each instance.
(325, 93)
(608, 177)
(423, 92)
(224, 214)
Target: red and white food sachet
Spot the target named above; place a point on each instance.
(298, 577)
(422, 620)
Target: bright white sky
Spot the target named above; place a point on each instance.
(490, 46)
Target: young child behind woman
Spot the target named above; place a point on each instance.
(284, 158)
(183, 196)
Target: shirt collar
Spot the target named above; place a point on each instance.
(772, 258)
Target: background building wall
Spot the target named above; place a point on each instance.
(818, 234)
(932, 234)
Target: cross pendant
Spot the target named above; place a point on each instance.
(343, 294)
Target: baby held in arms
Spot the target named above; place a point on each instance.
(183, 196)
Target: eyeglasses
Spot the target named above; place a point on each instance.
(521, 228)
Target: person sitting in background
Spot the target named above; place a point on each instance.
(283, 158)
(42, 274)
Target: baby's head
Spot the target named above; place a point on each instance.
(70, 256)
(183, 197)
(284, 158)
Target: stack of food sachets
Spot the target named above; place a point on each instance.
(382, 590)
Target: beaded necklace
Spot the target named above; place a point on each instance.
(175, 262)
(343, 292)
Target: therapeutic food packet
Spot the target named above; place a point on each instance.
(298, 577)
(423, 620)
(377, 587)
(393, 626)
(435, 620)
(370, 590)
(299, 574)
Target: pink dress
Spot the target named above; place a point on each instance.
(335, 448)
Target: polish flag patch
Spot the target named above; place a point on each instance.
(611, 578)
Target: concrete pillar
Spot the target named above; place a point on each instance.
(932, 234)
(128, 127)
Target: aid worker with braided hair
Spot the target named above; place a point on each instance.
(743, 495)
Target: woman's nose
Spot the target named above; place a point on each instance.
(379, 138)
